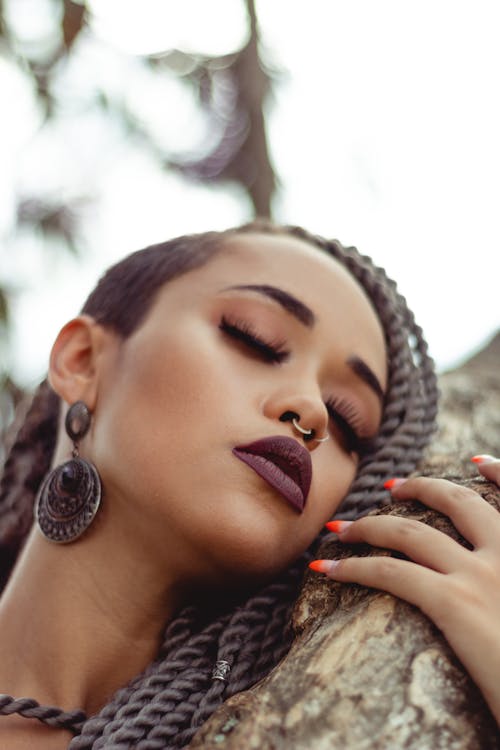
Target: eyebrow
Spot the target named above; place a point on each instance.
(361, 369)
(288, 302)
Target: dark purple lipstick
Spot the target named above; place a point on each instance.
(283, 463)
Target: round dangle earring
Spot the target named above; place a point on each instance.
(69, 497)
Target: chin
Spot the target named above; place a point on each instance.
(252, 561)
(250, 538)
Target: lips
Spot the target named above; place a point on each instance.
(283, 463)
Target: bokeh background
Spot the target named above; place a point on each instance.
(126, 122)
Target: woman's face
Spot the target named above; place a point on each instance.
(221, 356)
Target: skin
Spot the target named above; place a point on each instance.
(181, 513)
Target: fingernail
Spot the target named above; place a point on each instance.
(392, 483)
(338, 526)
(323, 566)
(484, 458)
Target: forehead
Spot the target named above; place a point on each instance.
(293, 261)
(341, 307)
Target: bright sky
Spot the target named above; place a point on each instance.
(384, 131)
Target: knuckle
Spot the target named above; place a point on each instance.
(385, 566)
(457, 596)
(462, 494)
(485, 574)
(457, 495)
(443, 606)
(408, 527)
(453, 591)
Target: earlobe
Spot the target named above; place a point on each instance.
(73, 361)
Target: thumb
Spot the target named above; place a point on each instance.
(488, 466)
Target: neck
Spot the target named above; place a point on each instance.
(78, 624)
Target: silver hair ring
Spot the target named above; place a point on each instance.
(221, 670)
(308, 433)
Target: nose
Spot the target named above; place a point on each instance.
(306, 413)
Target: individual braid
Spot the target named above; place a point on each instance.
(27, 463)
(164, 706)
(51, 715)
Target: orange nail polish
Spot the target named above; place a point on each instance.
(337, 526)
(323, 566)
(317, 565)
(483, 458)
(392, 483)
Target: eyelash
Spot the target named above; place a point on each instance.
(340, 411)
(271, 351)
(344, 416)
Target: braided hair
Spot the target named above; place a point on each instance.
(165, 705)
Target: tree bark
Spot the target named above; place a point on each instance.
(367, 670)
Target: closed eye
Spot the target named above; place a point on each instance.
(240, 330)
(351, 440)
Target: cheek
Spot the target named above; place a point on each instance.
(248, 543)
(334, 473)
(166, 402)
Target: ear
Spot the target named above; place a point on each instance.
(74, 360)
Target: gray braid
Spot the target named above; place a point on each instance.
(31, 709)
(165, 705)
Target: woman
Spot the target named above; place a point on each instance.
(227, 414)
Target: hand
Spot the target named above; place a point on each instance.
(457, 588)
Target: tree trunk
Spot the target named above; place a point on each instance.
(368, 671)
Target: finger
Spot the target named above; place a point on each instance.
(417, 585)
(473, 517)
(421, 543)
(488, 466)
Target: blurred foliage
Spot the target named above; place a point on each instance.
(231, 91)
(50, 220)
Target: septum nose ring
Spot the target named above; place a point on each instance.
(308, 434)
